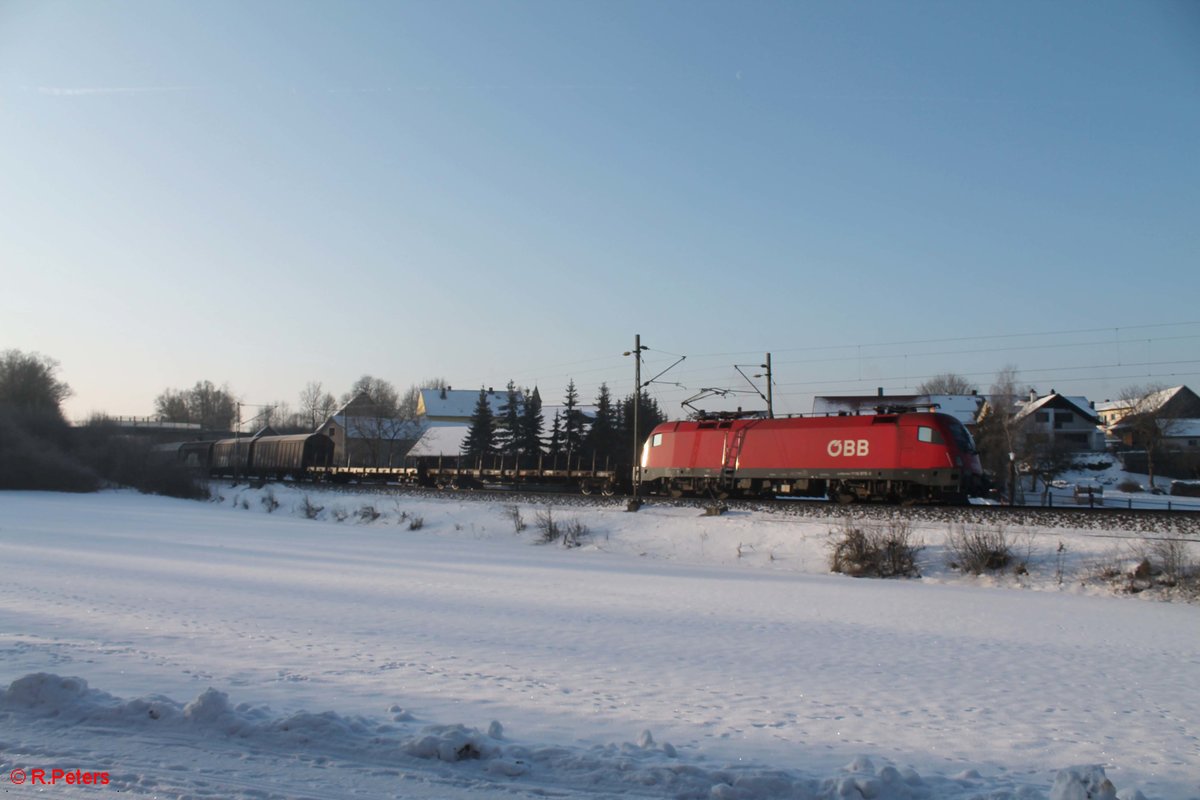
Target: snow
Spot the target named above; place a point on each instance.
(217, 650)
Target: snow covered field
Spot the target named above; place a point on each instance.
(223, 651)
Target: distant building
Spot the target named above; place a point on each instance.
(1058, 420)
(963, 407)
(363, 436)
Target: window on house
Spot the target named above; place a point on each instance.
(1042, 417)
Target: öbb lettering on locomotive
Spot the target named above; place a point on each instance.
(848, 447)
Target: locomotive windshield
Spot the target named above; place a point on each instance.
(962, 437)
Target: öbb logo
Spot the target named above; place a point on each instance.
(848, 447)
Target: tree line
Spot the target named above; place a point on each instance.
(40, 450)
(518, 430)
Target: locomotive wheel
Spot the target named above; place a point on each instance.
(585, 488)
(843, 498)
(608, 489)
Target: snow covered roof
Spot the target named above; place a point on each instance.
(456, 403)
(378, 428)
(1180, 428)
(441, 440)
(1080, 404)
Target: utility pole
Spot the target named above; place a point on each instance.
(770, 402)
(636, 352)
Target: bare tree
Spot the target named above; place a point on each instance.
(373, 420)
(998, 434)
(1149, 421)
(316, 404)
(28, 383)
(212, 407)
(947, 383)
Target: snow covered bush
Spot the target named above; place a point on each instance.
(874, 549)
(310, 509)
(979, 548)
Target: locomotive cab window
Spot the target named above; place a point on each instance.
(927, 434)
(656, 440)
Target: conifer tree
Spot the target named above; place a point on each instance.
(508, 424)
(554, 447)
(481, 438)
(572, 422)
(601, 439)
(650, 415)
(532, 423)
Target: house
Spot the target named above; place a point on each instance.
(1176, 404)
(364, 436)
(1058, 420)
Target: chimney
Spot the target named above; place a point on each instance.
(1032, 395)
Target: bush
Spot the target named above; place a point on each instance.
(416, 523)
(979, 548)
(514, 513)
(1128, 485)
(311, 510)
(28, 461)
(875, 550)
(570, 534)
(548, 528)
(368, 514)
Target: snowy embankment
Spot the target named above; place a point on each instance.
(269, 655)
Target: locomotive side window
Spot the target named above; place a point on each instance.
(657, 440)
(927, 434)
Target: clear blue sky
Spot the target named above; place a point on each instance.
(268, 193)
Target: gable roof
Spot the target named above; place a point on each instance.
(456, 403)
(1079, 405)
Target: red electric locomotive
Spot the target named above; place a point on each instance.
(895, 457)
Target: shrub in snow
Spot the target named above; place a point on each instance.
(416, 523)
(311, 510)
(270, 503)
(979, 548)
(514, 513)
(874, 550)
(368, 514)
(547, 527)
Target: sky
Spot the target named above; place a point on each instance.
(271, 193)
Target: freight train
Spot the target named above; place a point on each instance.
(900, 457)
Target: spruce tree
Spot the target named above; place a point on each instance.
(508, 424)
(572, 422)
(554, 447)
(650, 416)
(532, 423)
(601, 439)
(481, 438)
